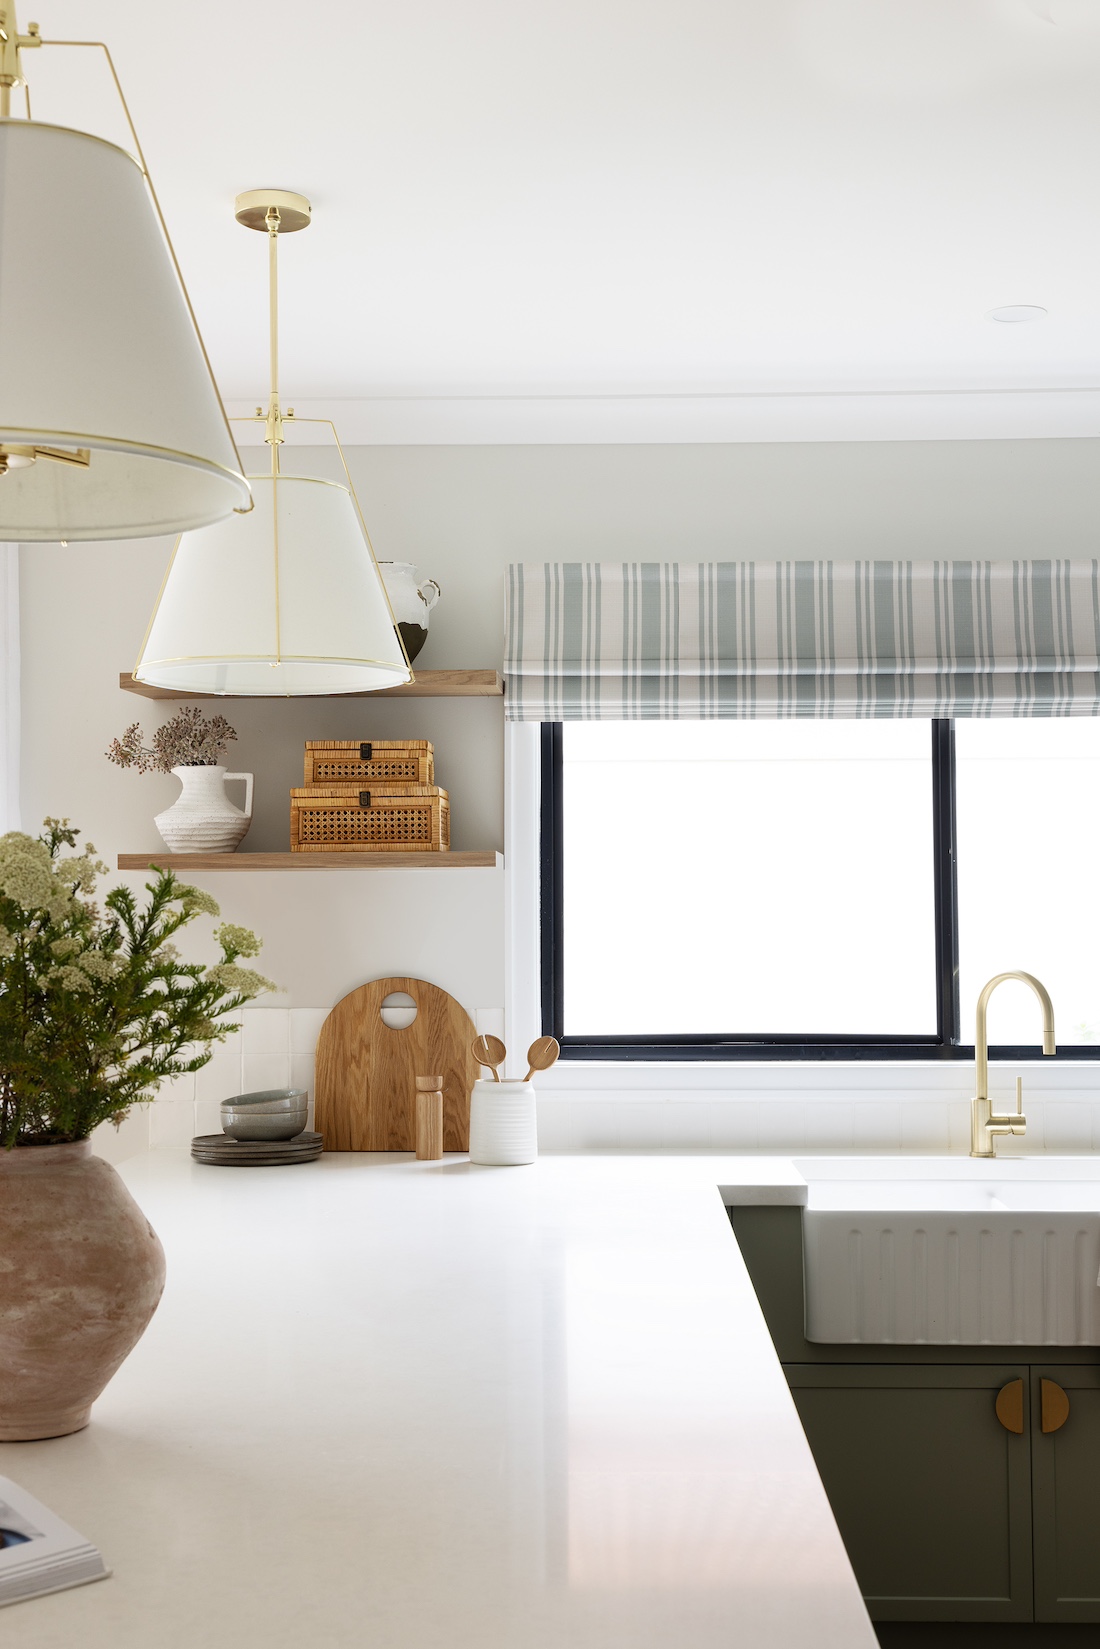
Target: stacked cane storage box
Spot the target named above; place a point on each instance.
(369, 796)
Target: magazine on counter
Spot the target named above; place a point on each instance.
(39, 1553)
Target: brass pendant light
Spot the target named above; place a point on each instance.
(289, 599)
(111, 425)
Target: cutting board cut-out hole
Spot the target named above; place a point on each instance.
(398, 1010)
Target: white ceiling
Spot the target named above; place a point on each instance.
(628, 219)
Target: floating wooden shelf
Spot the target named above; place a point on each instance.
(459, 860)
(429, 684)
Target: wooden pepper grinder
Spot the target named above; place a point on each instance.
(429, 1118)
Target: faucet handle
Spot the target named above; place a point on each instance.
(1012, 1122)
(1020, 1126)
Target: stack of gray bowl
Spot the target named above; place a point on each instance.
(273, 1113)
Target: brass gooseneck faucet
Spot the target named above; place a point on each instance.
(985, 1123)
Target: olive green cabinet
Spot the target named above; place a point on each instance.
(1065, 1477)
(953, 1506)
(962, 1492)
(931, 1493)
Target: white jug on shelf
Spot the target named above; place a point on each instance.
(203, 819)
(412, 599)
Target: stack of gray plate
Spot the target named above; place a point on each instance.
(264, 1129)
(223, 1152)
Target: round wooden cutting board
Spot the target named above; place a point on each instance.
(366, 1071)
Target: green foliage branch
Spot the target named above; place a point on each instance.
(96, 1005)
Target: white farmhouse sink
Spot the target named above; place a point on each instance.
(952, 1251)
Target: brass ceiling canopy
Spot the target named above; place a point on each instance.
(292, 211)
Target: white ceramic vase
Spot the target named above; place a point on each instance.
(203, 819)
(503, 1131)
(412, 599)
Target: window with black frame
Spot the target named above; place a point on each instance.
(817, 889)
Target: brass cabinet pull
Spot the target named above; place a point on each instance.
(1010, 1406)
(1053, 1405)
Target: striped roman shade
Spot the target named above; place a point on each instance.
(662, 640)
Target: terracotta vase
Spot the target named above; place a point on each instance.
(81, 1272)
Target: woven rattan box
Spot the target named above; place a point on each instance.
(369, 761)
(384, 818)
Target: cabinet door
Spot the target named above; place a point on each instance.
(930, 1491)
(1066, 1493)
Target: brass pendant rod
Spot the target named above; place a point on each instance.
(274, 434)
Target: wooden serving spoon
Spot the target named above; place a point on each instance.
(491, 1052)
(541, 1055)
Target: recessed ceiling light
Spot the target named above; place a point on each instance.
(1015, 312)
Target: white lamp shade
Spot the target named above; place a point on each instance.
(245, 611)
(98, 350)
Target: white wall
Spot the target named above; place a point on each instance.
(462, 513)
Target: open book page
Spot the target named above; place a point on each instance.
(39, 1552)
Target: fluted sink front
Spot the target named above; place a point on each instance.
(965, 1253)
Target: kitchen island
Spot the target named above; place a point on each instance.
(412, 1405)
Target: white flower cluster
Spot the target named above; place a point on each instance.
(27, 876)
(98, 966)
(197, 899)
(72, 978)
(239, 939)
(80, 872)
(241, 981)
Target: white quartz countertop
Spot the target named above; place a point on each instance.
(431, 1406)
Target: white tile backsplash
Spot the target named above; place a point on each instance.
(877, 1125)
(260, 1071)
(784, 1109)
(924, 1126)
(782, 1125)
(221, 1078)
(833, 1123)
(301, 1071)
(273, 1049)
(305, 1028)
(129, 1139)
(171, 1122)
(207, 1116)
(266, 1031)
(1066, 1126)
(178, 1090)
(489, 1022)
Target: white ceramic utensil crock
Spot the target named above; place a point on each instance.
(503, 1132)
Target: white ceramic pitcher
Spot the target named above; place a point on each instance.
(203, 819)
(412, 599)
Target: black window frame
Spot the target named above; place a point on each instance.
(945, 1044)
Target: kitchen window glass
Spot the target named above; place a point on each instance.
(1029, 884)
(756, 878)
